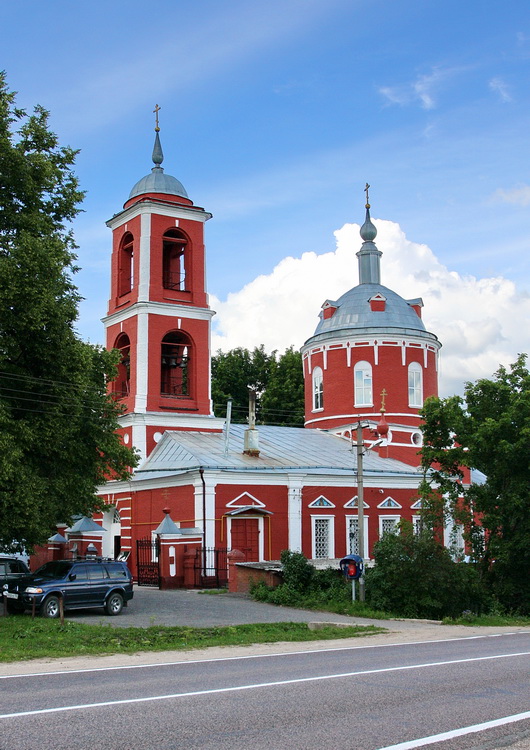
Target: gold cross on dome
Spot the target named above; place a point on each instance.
(367, 198)
(156, 111)
(383, 396)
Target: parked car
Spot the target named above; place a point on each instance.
(80, 584)
(12, 569)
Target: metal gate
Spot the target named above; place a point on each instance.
(211, 567)
(148, 556)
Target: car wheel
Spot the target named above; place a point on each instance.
(50, 608)
(114, 604)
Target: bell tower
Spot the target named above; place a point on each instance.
(158, 313)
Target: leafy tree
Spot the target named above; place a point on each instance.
(489, 430)
(283, 399)
(278, 382)
(57, 422)
(415, 576)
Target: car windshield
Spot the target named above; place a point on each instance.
(54, 569)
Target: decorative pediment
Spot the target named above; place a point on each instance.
(354, 503)
(244, 501)
(389, 502)
(417, 505)
(321, 502)
(377, 302)
(329, 308)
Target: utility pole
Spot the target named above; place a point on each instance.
(360, 501)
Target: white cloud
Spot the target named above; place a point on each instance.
(422, 90)
(501, 88)
(519, 195)
(477, 320)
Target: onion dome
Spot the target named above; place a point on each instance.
(158, 181)
(370, 307)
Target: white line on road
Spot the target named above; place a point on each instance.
(254, 656)
(254, 687)
(458, 732)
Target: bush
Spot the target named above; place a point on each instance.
(415, 576)
(297, 572)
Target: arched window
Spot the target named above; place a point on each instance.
(415, 385)
(363, 384)
(175, 365)
(174, 260)
(122, 382)
(126, 265)
(318, 389)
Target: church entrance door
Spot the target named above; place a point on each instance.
(245, 537)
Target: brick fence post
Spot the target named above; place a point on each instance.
(233, 557)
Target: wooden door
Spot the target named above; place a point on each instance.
(245, 537)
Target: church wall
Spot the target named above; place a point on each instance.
(274, 499)
(339, 497)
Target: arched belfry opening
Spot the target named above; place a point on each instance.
(174, 260)
(122, 385)
(176, 363)
(126, 265)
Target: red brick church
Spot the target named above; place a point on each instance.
(202, 483)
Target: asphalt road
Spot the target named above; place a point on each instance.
(353, 696)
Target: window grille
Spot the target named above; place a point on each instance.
(353, 536)
(388, 525)
(322, 536)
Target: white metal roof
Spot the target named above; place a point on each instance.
(281, 448)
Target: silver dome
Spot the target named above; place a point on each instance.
(158, 182)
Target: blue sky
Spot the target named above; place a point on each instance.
(274, 115)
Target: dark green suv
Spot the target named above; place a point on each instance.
(80, 584)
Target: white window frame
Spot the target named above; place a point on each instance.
(415, 385)
(365, 387)
(365, 540)
(382, 518)
(317, 393)
(331, 537)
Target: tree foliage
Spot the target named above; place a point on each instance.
(488, 430)
(415, 576)
(277, 380)
(57, 422)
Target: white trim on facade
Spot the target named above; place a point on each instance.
(142, 361)
(144, 265)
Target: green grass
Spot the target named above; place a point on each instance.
(489, 620)
(22, 638)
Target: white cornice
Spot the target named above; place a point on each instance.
(172, 420)
(169, 309)
(369, 339)
(162, 209)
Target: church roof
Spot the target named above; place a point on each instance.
(354, 311)
(157, 181)
(281, 449)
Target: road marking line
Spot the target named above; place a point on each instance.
(458, 732)
(253, 656)
(237, 688)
